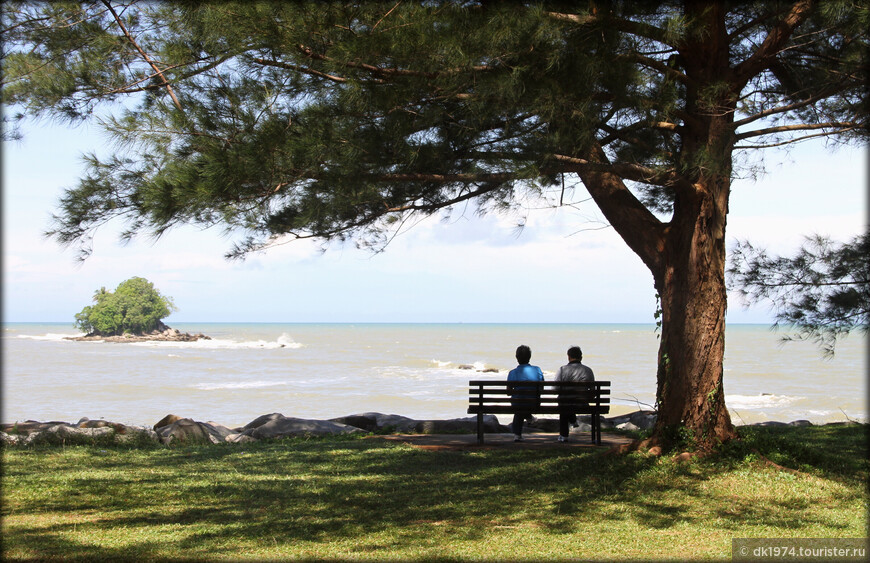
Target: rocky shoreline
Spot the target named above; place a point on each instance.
(164, 334)
(173, 429)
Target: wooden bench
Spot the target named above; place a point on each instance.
(494, 397)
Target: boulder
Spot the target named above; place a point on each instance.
(9, 439)
(29, 427)
(391, 422)
(800, 423)
(644, 420)
(627, 426)
(68, 434)
(166, 421)
(770, 423)
(289, 426)
(190, 431)
(458, 425)
(261, 420)
(88, 423)
(544, 424)
(136, 435)
(237, 438)
(367, 423)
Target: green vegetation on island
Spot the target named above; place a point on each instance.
(136, 307)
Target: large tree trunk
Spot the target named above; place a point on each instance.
(691, 284)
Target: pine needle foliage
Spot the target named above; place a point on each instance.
(335, 121)
(821, 294)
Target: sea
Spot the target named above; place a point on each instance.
(323, 371)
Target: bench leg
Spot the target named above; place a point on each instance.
(480, 428)
(597, 429)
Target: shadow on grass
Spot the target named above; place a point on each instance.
(209, 501)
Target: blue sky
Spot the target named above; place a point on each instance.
(563, 267)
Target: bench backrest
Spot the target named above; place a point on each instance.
(491, 396)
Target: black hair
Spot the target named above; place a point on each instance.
(575, 353)
(524, 354)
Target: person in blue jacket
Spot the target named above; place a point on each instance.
(524, 394)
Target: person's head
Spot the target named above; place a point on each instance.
(574, 353)
(524, 354)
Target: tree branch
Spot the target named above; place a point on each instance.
(795, 140)
(143, 53)
(633, 172)
(635, 28)
(299, 68)
(308, 52)
(782, 109)
(773, 42)
(839, 125)
(642, 231)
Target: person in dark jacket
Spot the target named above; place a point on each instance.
(524, 394)
(574, 370)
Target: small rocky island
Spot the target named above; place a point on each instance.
(162, 333)
(132, 313)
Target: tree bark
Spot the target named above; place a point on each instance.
(690, 394)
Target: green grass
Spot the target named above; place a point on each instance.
(352, 498)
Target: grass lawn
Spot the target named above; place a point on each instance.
(367, 498)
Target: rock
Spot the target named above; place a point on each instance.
(161, 333)
(627, 426)
(458, 425)
(9, 439)
(367, 423)
(88, 423)
(137, 434)
(655, 451)
(770, 423)
(544, 424)
(391, 422)
(288, 426)
(166, 421)
(29, 427)
(189, 431)
(239, 439)
(261, 420)
(488, 370)
(464, 366)
(644, 420)
(67, 434)
(800, 423)
(685, 456)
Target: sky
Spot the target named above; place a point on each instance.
(565, 266)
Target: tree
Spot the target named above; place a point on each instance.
(822, 293)
(344, 121)
(135, 307)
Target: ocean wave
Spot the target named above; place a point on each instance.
(283, 341)
(52, 336)
(764, 400)
(237, 385)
